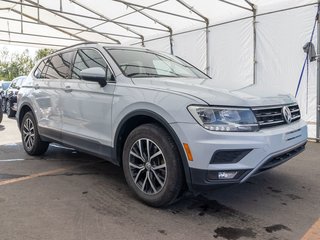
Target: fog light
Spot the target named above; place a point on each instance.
(227, 174)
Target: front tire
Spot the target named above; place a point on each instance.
(152, 165)
(31, 140)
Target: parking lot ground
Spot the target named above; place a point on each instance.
(70, 195)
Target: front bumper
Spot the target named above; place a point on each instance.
(268, 148)
(201, 181)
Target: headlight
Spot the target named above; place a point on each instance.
(225, 119)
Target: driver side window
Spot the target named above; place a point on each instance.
(88, 58)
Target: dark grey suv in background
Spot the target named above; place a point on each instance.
(9, 99)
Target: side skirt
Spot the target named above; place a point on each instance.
(79, 143)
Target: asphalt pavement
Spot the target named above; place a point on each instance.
(67, 195)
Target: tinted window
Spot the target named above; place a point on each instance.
(45, 68)
(58, 66)
(37, 72)
(87, 58)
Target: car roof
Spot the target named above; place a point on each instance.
(92, 44)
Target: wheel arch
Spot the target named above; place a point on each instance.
(26, 107)
(139, 117)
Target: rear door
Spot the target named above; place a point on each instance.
(86, 106)
(48, 84)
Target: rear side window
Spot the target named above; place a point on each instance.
(87, 58)
(37, 72)
(58, 66)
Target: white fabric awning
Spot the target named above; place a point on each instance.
(58, 23)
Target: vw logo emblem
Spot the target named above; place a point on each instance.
(287, 114)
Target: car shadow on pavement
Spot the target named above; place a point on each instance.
(2, 127)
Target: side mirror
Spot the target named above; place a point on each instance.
(94, 74)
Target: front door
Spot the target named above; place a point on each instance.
(86, 106)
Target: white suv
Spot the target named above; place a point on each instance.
(158, 117)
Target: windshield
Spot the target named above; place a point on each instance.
(20, 81)
(144, 63)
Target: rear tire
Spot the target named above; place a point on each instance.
(152, 165)
(31, 140)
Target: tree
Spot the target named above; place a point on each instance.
(14, 65)
(4, 54)
(41, 53)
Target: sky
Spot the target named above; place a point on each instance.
(19, 49)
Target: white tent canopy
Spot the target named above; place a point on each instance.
(238, 42)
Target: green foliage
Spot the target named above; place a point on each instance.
(14, 65)
(41, 53)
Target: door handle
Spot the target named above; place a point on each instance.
(36, 86)
(68, 89)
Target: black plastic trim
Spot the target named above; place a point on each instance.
(200, 181)
(241, 155)
(282, 158)
(79, 143)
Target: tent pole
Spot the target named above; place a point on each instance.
(108, 19)
(254, 45)
(171, 41)
(254, 25)
(38, 6)
(45, 23)
(157, 10)
(236, 5)
(33, 43)
(156, 21)
(208, 72)
(60, 27)
(21, 15)
(38, 11)
(318, 79)
(206, 20)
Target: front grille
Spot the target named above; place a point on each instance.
(273, 116)
(281, 158)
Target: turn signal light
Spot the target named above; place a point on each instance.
(188, 151)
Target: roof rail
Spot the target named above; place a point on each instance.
(78, 44)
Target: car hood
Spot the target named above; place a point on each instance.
(205, 90)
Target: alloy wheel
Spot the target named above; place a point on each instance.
(28, 133)
(147, 166)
